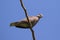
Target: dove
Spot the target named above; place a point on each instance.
(24, 23)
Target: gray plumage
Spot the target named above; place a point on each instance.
(24, 23)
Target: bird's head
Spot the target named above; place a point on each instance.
(39, 15)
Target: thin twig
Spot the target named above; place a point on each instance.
(28, 19)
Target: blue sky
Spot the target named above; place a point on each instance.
(48, 28)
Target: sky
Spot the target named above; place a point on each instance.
(48, 28)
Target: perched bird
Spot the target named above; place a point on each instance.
(24, 23)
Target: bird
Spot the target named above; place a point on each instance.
(24, 23)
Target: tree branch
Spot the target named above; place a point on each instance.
(28, 19)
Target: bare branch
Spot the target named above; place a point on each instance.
(28, 19)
